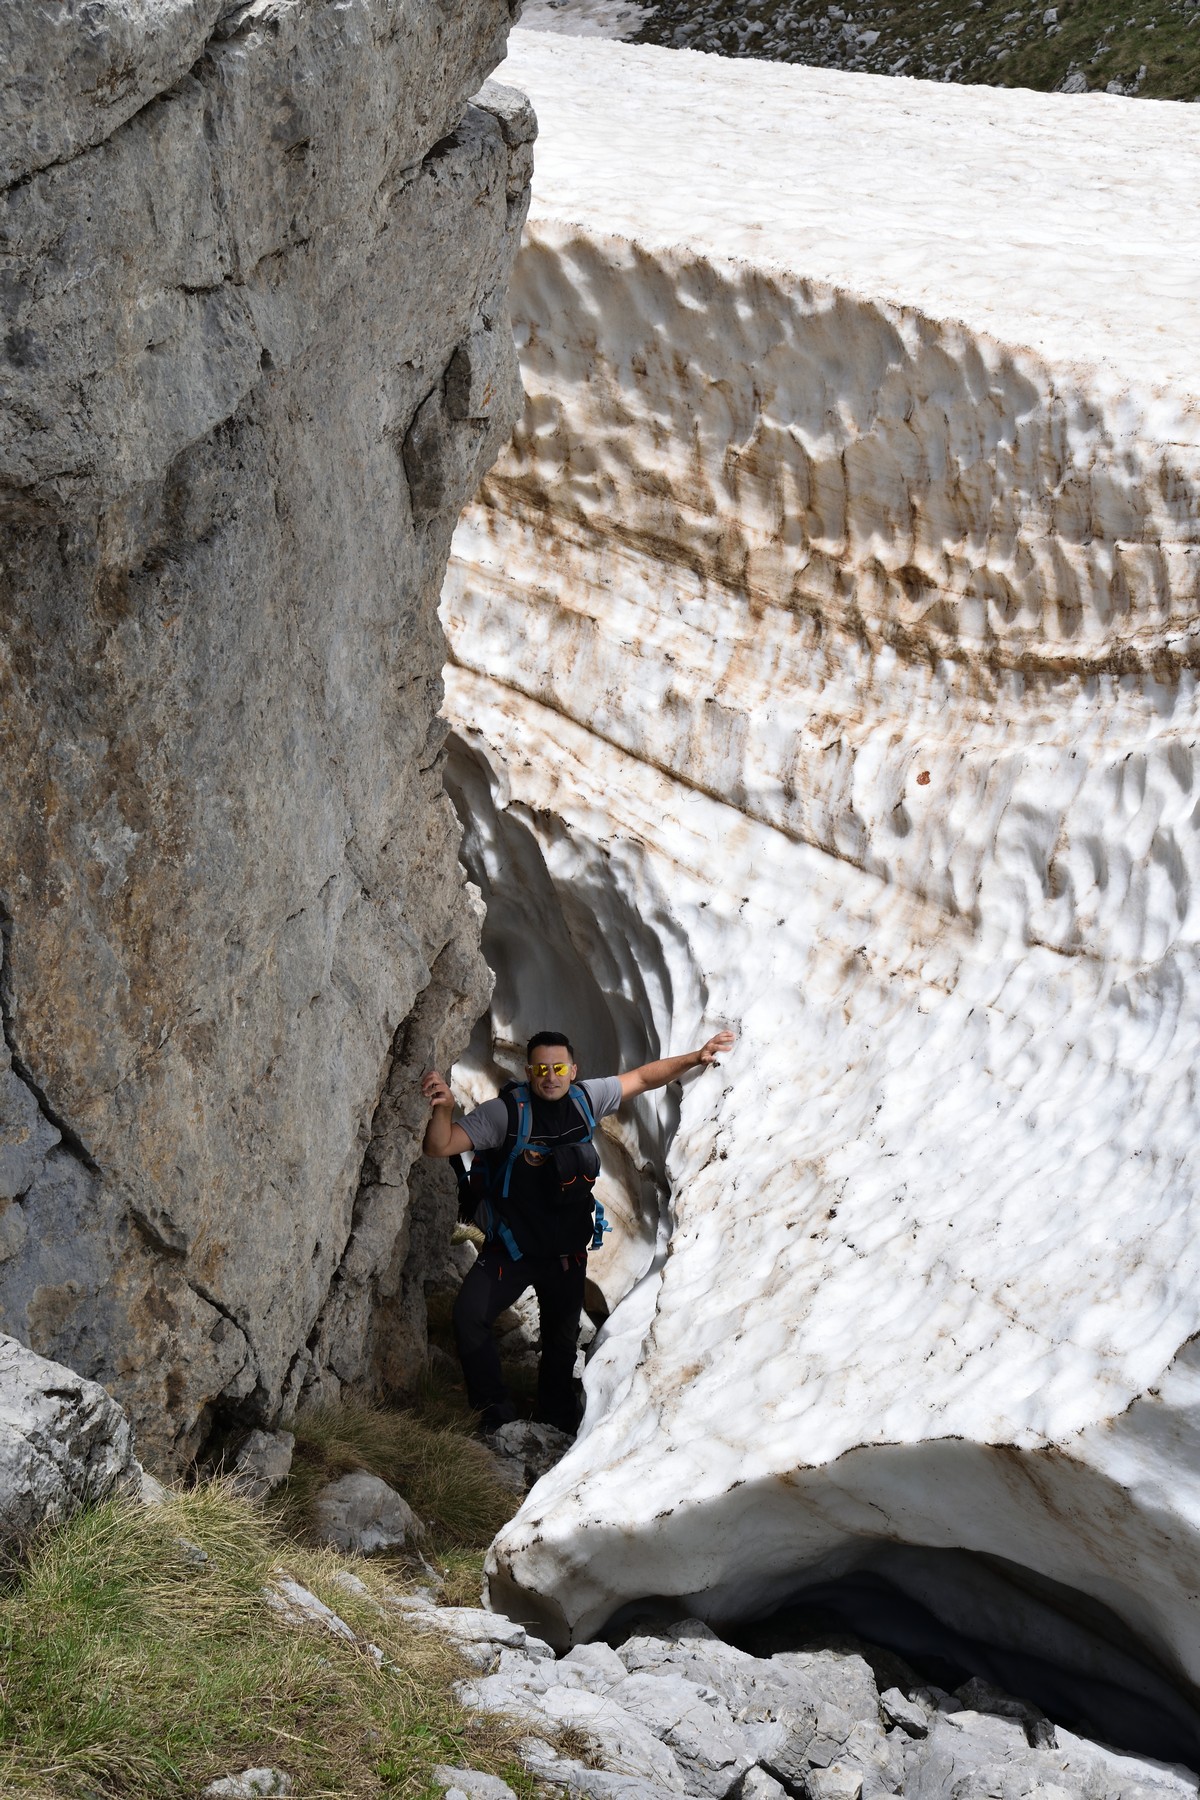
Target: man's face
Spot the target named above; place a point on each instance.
(544, 1077)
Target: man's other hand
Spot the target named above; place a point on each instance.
(435, 1089)
(442, 1136)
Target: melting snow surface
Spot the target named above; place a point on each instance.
(833, 615)
(1066, 222)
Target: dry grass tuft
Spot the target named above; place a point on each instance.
(447, 1478)
(140, 1659)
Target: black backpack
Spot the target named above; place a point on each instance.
(487, 1181)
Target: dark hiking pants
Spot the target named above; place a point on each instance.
(495, 1281)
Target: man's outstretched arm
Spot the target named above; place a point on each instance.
(442, 1136)
(670, 1068)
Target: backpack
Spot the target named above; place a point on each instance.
(487, 1181)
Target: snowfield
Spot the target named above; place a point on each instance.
(827, 641)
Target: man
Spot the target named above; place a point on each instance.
(541, 1233)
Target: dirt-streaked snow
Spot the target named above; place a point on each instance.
(834, 616)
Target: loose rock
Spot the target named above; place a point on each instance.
(298, 1605)
(263, 1463)
(980, 1696)
(758, 1785)
(478, 1634)
(525, 1450)
(839, 1781)
(251, 1784)
(910, 1715)
(471, 1784)
(361, 1514)
(695, 1724)
(64, 1443)
(689, 1714)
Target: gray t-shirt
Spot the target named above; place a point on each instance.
(487, 1125)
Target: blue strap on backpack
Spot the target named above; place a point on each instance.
(601, 1226)
(523, 1100)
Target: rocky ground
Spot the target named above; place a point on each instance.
(1147, 47)
(680, 1712)
(397, 1686)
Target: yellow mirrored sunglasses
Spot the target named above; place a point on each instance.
(541, 1070)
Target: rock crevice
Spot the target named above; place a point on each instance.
(18, 1068)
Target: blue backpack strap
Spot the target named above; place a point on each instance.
(520, 1100)
(579, 1096)
(508, 1240)
(601, 1226)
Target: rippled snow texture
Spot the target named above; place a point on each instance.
(840, 591)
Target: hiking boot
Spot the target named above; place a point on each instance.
(501, 1412)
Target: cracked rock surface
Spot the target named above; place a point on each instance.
(685, 1713)
(255, 354)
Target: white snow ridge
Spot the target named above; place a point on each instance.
(834, 616)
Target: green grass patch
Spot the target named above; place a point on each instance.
(140, 1659)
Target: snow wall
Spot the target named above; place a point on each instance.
(825, 654)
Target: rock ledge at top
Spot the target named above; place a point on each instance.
(826, 644)
(256, 352)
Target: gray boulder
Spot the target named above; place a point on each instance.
(980, 1696)
(471, 1784)
(758, 1785)
(842, 1680)
(362, 1515)
(574, 1777)
(251, 1784)
(909, 1715)
(599, 1665)
(686, 1713)
(64, 1443)
(762, 1692)
(525, 1450)
(478, 1635)
(623, 1745)
(263, 1463)
(837, 1781)
(982, 1753)
(297, 1605)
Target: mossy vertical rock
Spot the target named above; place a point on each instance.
(231, 904)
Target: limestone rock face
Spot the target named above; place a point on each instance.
(833, 618)
(63, 1443)
(256, 353)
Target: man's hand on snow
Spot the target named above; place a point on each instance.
(672, 1068)
(716, 1046)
